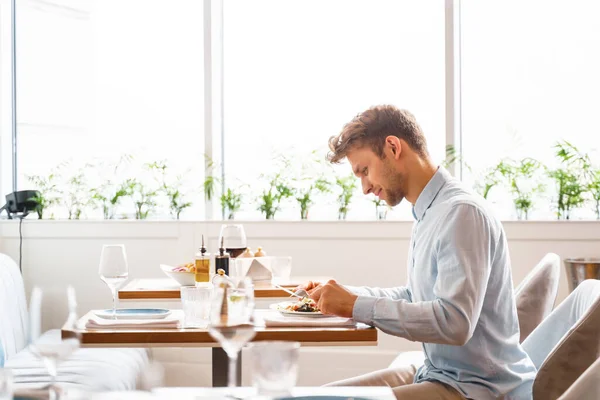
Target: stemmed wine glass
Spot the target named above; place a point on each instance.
(234, 238)
(50, 349)
(113, 269)
(231, 320)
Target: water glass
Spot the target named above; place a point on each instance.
(274, 366)
(6, 383)
(195, 302)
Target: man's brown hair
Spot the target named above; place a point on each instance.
(371, 127)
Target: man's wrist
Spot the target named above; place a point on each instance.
(364, 309)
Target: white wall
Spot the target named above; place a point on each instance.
(56, 253)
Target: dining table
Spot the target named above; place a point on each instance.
(313, 333)
(166, 289)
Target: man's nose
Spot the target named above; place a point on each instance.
(366, 185)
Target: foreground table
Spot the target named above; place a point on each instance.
(372, 392)
(167, 289)
(360, 335)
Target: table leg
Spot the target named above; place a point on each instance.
(220, 367)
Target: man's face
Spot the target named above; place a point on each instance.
(378, 176)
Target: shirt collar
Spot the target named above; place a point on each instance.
(430, 192)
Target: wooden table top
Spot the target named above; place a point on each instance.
(359, 335)
(167, 289)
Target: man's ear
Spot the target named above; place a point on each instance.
(394, 145)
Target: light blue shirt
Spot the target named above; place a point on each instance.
(459, 298)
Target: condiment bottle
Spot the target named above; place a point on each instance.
(202, 274)
(222, 259)
(222, 281)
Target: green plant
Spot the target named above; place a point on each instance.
(47, 189)
(172, 190)
(77, 195)
(594, 189)
(381, 208)
(348, 186)
(304, 196)
(108, 196)
(231, 202)
(490, 179)
(144, 198)
(270, 199)
(569, 178)
(517, 175)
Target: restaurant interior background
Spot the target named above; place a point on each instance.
(150, 122)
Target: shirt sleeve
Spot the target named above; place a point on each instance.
(463, 256)
(397, 293)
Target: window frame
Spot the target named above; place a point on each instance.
(214, 102)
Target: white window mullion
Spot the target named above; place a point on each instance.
(453, 85)
(213, 98)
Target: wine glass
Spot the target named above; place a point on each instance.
(113, 269)
(48, 348)
(234, 238)
(231, 320)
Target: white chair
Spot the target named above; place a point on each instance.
(86, 369)
(587, 386)
(534, 297)
(567, 342)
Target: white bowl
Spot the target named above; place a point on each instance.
(183, 278)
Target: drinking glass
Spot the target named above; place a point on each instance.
(233, 237)
(195, 302)
(231, 321)
(113, 269)
(274, 366)
(50, 349)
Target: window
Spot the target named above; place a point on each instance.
(5, 100)
(295, 72)
(529, 79)
(99, 81)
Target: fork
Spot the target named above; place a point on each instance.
(301, 293)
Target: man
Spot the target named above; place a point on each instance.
(459, 298)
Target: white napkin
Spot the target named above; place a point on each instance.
(170, 322)
(274, 318)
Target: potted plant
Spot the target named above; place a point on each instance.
(46, 186)
(270, 199)
(569, 177)
(172, 190)
(144, 197)
(594, 189)
(231, 202)
(517, 175)
(347, 185)
(305, 195)
(381, 208)
(77, 196)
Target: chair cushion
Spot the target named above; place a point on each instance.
(535, 296)
(86, 369)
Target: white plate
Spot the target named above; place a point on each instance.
(134, 313)
(281, 308)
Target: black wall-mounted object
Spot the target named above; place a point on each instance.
(19, 204)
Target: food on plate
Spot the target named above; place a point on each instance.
(305, 305)
(189, 267)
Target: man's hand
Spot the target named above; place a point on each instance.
(309, 286)
(334, 299)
